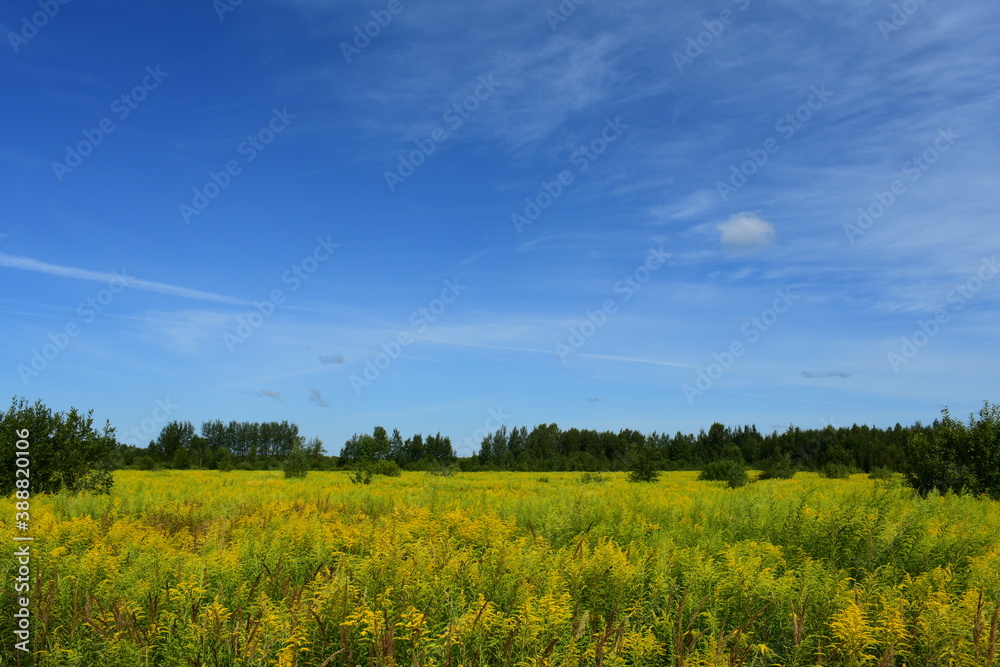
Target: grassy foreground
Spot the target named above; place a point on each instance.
(240, 568)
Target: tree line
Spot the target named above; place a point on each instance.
(948, 454)
(414, 452)
(268, 445)
(258, 445)
(548, 448)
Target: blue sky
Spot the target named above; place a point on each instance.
(606, 215)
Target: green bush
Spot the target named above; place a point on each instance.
(362, 473)
(834, 470)
(297, 463)
(730, 471)
(880, 472)
(642, 466)
(387, 468)
(592, 478)
(778, 467)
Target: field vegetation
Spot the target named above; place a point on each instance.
(500, 568)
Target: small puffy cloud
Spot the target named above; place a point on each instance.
(270, 393)
(331, 358)
(745, 232)
(316, 396)
(812, 375)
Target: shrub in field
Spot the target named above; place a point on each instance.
(362, 473)
(778, 467)
(442, 471)
(880, 472)
(297, 463)
(834, 470)
(642, 467)
(730, 471)
(592, 478)
(66, 451)
(387, 468)
(543, 480)
(145, 463)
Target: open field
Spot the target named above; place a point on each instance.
(241, 568)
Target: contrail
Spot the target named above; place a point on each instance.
(29, 264)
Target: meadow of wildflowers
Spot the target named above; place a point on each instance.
(248, 568)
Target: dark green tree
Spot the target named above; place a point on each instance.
(381, 449)
(173, 437)
(413, 450)
(64, 449)
(642, 465)
(296, 464)
(358, 448)
(396, 446)
(314, 447)
(983, 449)
(954, 457)
(439, 448)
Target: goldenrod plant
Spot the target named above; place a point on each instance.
(242, 568)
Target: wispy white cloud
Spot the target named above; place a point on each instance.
(473, 257)
(121, 278)
(183, 331)
(586, 355)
